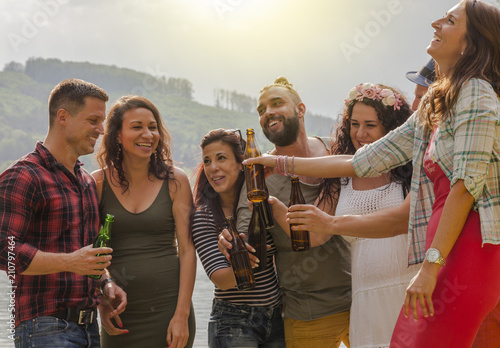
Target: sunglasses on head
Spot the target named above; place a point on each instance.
(242, 142)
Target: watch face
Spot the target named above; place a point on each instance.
(432, 255)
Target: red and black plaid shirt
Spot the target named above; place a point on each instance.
(44, 207)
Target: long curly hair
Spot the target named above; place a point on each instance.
(110, 153)
(204, 193)
(480, 59)
(343, 145)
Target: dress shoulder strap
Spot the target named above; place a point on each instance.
(325, 140)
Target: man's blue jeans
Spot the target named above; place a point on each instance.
(232, 326)
(53, 332)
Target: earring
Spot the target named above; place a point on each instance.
(156, 156)
(118, 154)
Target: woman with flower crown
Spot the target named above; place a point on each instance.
(453, 143)
(379, 269)
(378, 262)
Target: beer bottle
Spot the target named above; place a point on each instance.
(239, 259)
(268, 211)
(104, 238)
(257, 235)
(300, 239)
(254, 173)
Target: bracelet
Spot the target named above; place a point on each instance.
(104, 282)
(282, 168)
(278, 169)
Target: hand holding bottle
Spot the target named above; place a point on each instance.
(88, 261)
(103, 240)
(269, 161)
(300, 239)
(254, 173)
(225, 245)
(239, 259)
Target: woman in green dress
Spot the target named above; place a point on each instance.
(154, 259)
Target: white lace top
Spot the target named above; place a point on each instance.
(353, 202)
(379, 269)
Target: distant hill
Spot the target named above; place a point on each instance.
(24, 90)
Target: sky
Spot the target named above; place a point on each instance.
(323, 47)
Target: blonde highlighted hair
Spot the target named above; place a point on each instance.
(283, 82)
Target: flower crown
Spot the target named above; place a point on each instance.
(371, 91)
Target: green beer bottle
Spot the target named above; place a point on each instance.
(104, 238)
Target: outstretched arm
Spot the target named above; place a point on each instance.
(381, 224)
(320, 167)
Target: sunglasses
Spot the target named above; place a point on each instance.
(242, 142)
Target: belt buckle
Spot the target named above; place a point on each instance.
(86, 316)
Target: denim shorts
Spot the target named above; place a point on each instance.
(243, 326)
(52, 332)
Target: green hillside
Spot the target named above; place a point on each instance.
(24, 90)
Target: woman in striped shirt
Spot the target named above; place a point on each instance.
(250, 318)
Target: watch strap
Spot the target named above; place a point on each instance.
(104, 282)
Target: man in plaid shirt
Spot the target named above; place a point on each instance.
(48, 221)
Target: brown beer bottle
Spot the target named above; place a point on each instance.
(300, 239)
(268, 211)
(257, 235)
(239, 259)
(254, 173)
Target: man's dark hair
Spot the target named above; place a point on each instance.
(70, 95)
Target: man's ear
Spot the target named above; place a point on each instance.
(301, 108)
(62, 117)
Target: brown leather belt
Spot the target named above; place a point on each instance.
(79, 316)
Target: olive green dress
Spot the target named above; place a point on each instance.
(145, 264)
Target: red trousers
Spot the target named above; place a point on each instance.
(488, 335)
(467, 289)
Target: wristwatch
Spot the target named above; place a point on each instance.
(434, 256)
(104, 282)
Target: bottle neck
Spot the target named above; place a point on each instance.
(231, 227)
(105, 229)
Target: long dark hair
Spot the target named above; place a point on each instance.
(204, 194)
(342, 143)
(480, 59)
(110, 156)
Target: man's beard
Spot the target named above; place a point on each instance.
(289, 133)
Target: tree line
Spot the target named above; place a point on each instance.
(120, 80)
(24, 91)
